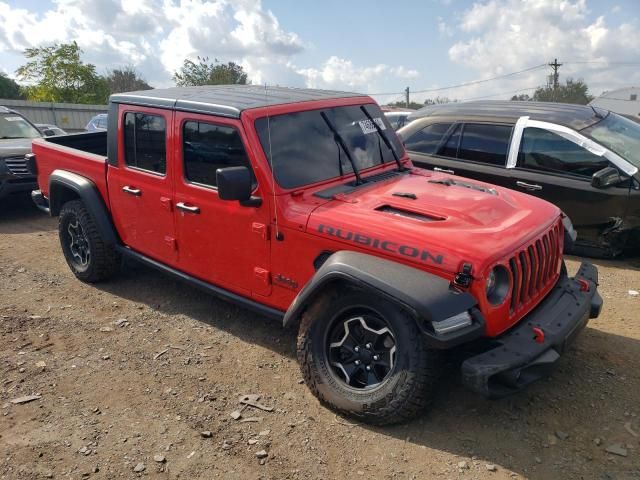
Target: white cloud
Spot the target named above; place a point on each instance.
(502, 36)
(444, 28)
(156, 37)
(339, 73)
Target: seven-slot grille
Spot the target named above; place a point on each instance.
(535, 266)
(17, 165)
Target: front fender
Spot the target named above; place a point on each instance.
(427, 297)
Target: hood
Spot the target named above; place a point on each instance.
(12, 147)
(434, 219)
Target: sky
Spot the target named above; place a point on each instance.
(378, 48)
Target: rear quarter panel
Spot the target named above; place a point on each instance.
(50, 157)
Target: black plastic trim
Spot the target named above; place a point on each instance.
(427, 297)
(112, 134)
(207, 287)
(61, 180)
(516, 359)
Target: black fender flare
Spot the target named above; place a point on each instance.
(61, 181)
(427, 297)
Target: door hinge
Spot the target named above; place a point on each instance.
(263, 275)
(171, 242)
(261, 230)
(166, 203)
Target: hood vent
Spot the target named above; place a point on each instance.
(450, 182)
(408, 214)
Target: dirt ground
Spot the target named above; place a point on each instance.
(130, 374)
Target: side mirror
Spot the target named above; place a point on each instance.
(234, 183)
(605, 178)
(49, 133)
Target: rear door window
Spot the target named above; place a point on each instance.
(546, 151)
(427, 140)
(485, 143)
(145, 142)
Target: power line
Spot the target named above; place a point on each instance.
(500, 94)
(474, 82)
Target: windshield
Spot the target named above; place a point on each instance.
(619, 135)
(14, 126)
(304, 150)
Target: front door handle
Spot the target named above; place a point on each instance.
(132, 190)
(443, 170)
(529, 186)
(188, 208)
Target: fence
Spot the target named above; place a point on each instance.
(68, 116)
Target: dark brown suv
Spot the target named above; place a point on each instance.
(583, 159)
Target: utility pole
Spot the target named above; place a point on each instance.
(406, 94)
(555, 65)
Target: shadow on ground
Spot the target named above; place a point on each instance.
(19, 215)
(586, 397)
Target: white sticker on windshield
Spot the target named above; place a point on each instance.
(13, 119)
(368, 127)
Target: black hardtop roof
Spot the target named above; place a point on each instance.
(224, 100)
(569, 115)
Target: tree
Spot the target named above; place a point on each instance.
(59, 75)
(209, 73)
(125, 79)
(571, 92)
(523, 97)
(412, 105)
(9, 89)
(439, 101)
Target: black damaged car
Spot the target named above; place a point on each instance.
(16, 133)
(583, 159)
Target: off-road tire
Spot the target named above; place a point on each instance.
(407, 390)
(104, 260)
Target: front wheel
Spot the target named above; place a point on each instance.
(89, 257)
(365, 357)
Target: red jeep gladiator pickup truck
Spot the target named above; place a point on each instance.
(303, 205)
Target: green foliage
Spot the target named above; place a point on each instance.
(125, 79)
(209, 73)
(58, 75)
(9, 89)
(412, 105)
(439, 100)
(572, 92)
(416, 105)
(523, 97)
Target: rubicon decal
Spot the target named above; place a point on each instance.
(381, 244)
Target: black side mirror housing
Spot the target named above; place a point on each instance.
(49, 133)
(234, 183)
(605, 178)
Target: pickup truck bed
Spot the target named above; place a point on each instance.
(81, 153)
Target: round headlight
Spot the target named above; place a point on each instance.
(498, 285)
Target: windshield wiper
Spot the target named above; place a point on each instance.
(384, 138)
(338, 138)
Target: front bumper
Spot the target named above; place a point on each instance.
(522, 355)
(15, 184)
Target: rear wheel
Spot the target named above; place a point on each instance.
(365, 357)
(89, 257)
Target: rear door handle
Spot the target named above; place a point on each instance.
(132, 190)
(529, 186)
(188, 208)
(443, 170)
